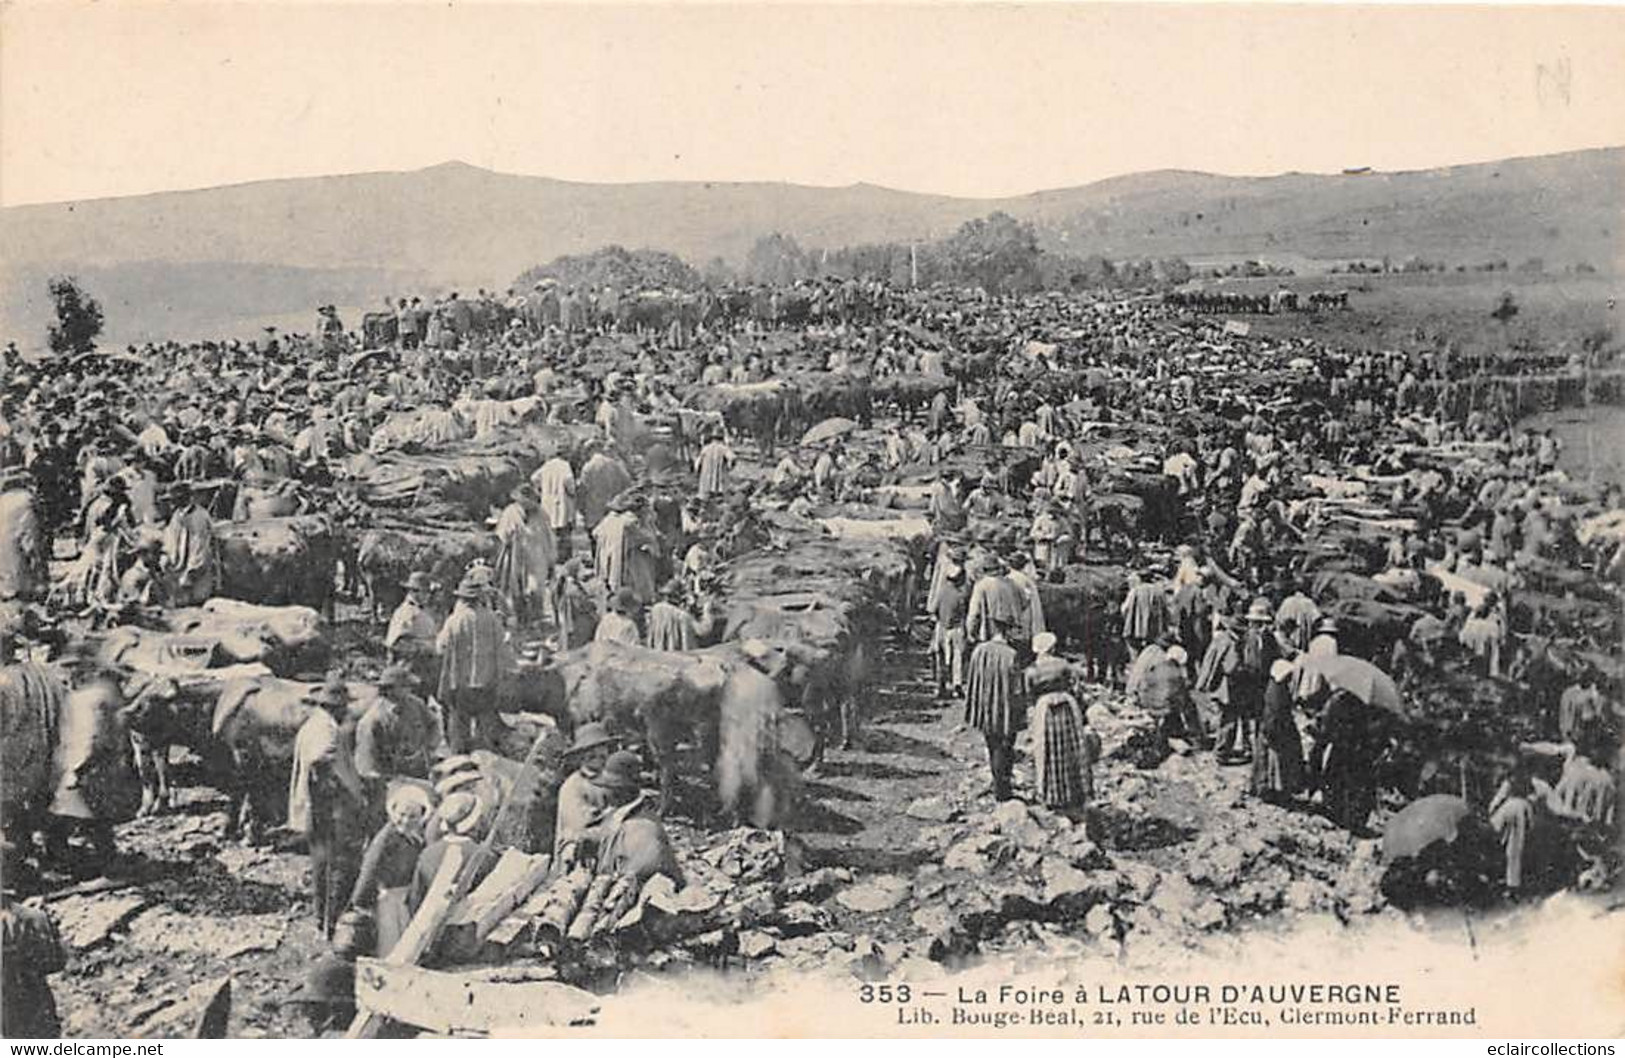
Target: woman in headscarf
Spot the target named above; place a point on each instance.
(384, 884)
(1063, 749)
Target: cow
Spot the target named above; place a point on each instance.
(242, 726)
(661, 696)
(280, 561)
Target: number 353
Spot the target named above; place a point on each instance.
(884, 994)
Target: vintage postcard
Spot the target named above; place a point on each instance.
(933, 520)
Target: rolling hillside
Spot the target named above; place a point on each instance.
(189, 263)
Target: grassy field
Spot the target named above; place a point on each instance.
(1555, 313)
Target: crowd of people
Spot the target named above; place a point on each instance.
(1272, 510)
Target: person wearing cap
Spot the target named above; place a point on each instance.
(397, 734)
(993, 704)
(191, 559)
(525, 563)
(1063, 749)
(383, 884)
(620, 624)
(471, 646)
(1256, 651)
(581, 798)
(1278, 770)
(327, 800)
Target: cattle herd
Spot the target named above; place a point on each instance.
(714, 523)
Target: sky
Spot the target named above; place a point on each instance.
(120, 97)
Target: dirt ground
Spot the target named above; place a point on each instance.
(1190, 853)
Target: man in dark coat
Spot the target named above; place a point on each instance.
(30, 951)
(993, 704)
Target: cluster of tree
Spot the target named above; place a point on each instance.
(78, 317)
(997, 253)
(614, 266)
(1249, 270)
(1416, 265)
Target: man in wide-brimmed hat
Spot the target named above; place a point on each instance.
(397, 734)
(580, 797)
(327, 800)
(413, 627)
(191, 558)
(627, 837)
(471, 646)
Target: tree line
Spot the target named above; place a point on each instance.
(997, 253)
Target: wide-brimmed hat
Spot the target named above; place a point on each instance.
(419, 581)
(1326, 626)
(590, 736)
(620, 771)
(1260, 610)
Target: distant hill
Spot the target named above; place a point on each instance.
(196, 262)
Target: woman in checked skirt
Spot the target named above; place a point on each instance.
(1063, 748)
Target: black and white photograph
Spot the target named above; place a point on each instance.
(923, 521)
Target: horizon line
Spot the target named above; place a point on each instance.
(1351, 171)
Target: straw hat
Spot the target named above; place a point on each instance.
(1260, 610)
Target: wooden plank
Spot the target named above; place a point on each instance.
(452, 1003)
(450, 882)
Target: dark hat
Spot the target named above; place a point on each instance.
(396, 676)
(620, 771)
(331, 691)
(590, 736)
(330, 982)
